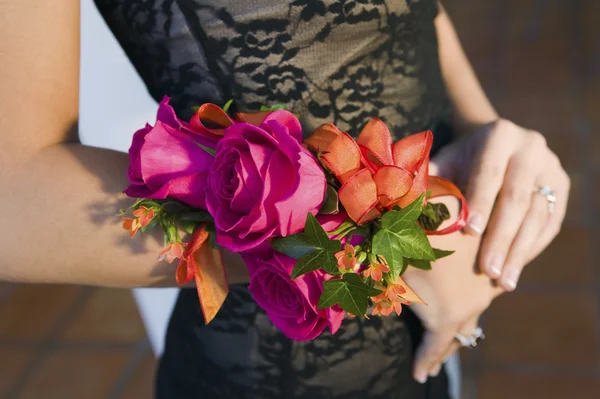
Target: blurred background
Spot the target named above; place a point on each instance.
(539, 61)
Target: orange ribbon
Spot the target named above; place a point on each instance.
(204, 264)
(377, 175)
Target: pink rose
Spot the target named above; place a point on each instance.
(290, 304)
(167, 161)
(263, 182)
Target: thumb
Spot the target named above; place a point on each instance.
(431, 352)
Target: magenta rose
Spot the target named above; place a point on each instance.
(290, 304)
(167, 161)
(263, 182)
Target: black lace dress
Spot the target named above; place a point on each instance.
(328, 60)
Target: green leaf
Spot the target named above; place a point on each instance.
(199, 216)
(351, 293)
(441, 253)
(433, 216)
(227, 105)
(331, 203)
(315, 232)
(419, 263)
(150, 225)
(208, 150)
(410, 213)
(313, 261)
(275, 107)
(400, 238)
(333, 291)
(386, 244)
(428, 211)
(295, 245)
(356, 284)
(188, 226)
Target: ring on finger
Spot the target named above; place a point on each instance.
(471, 340)
(547, 192)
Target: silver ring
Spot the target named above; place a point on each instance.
(472, 340)
(548, 193)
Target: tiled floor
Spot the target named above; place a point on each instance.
(539, 60)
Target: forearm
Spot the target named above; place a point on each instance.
(60, 212)
(471, 107)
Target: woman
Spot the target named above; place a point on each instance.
(342, 61)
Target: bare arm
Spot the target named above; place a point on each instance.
(471, 107)
(59, 199)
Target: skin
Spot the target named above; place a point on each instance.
(499, 164)
(60, 199)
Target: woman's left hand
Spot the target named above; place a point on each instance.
(502, 166)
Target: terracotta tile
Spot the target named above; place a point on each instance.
(553, 329)
(496, 385)
(14, 361)
(142, 382)
(566, 261)
(32, 311)
(111, 314)
(76, 374)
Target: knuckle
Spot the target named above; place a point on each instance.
(537, 139)
(490, 171)
(483, 302)
(516, 195)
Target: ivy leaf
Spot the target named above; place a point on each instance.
(441, 253)
(210, 151)
(315, 260)
(351, 293)
(419, 263)
(331, 204)
(199, 216)
(295, 245)
(433, 216)
(401, 238)
(385, 244)
(315, 232)
(409, 213)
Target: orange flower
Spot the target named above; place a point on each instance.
(393, 297)
(376, 270)
(131, 225)
(144, 215)
(346, 258)
(377, 174)
(172, 251)
(383, 308)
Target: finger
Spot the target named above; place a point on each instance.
(465, 330)
(430, 352)
(561, 191)
(520, 251)
(489, 168)
(512, 205)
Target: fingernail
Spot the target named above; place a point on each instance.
(511, 277)
(495, 264)
(421, 377)
(435, 371)
(476, 223)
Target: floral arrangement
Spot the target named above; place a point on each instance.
(326, 226)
